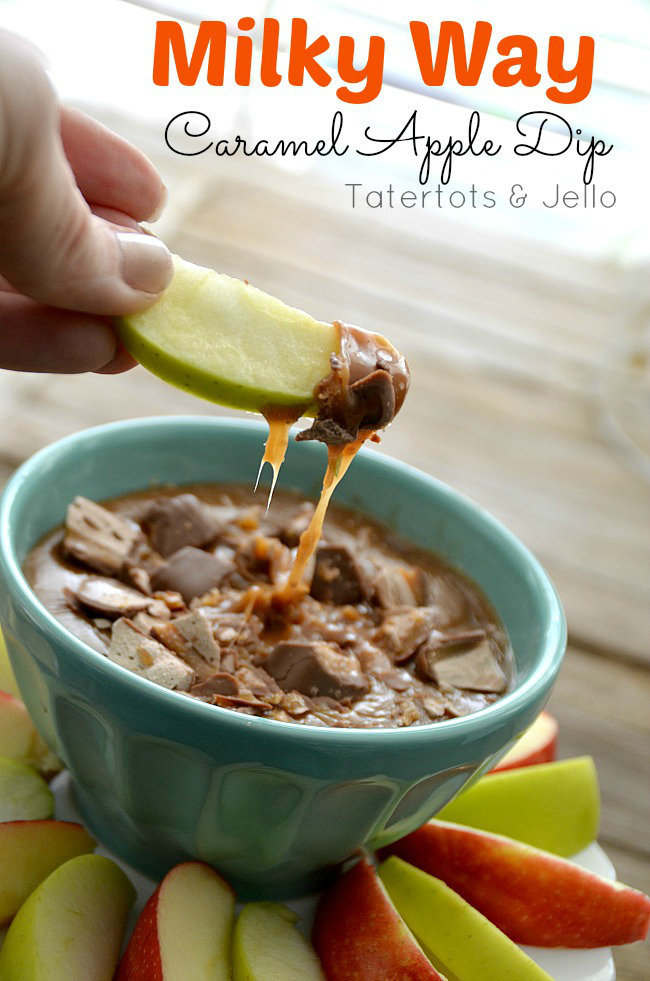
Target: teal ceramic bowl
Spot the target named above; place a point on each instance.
(275, 806)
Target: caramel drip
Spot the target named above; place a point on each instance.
(280, 421)
(339, 459)
(366, 386)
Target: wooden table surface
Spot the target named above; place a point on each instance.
(506, 340)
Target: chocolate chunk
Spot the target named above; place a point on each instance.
(109, 597)
(476, 670)
(442, 643)
(374, 399)
(172, 523)
(143, 655)
(393, 587)
(219, 683)
(449, 601)
(190, 572)
(365, 388)
(315, 668)
(449, 640)
(290, 533)
(404, 630)
(97, 537)
(338, 578)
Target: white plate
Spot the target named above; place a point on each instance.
(561, 964)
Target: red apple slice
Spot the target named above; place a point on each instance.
(29, 852)
(537, 745)
(532, 896)
(359, 935)
(184, 931)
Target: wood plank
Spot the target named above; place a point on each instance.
(602, 708)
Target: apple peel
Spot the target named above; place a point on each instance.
(534, 897)
(184, 931)
(359, 935)
(459, 939)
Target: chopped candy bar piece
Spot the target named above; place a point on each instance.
(174, 522)
(143, 655)
(97, 537)
(315, 668)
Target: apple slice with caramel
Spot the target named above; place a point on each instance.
(229, 342)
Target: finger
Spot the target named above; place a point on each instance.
(53, 249)
(118, 219)
(121, 361)
(39, 338)
(109, 170)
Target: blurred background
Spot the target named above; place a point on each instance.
(527, 330)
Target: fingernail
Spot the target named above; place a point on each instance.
(162, 204)
(146, 262)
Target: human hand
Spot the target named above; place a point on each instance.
(71, 250)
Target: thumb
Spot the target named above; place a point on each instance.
(53, 248)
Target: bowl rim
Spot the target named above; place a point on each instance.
(554, 637)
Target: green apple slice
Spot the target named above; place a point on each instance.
(24, 795)
(228, 342)
(19, 739)
(460, 941)
(268, 947)
(552, 806)
(71, 926)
